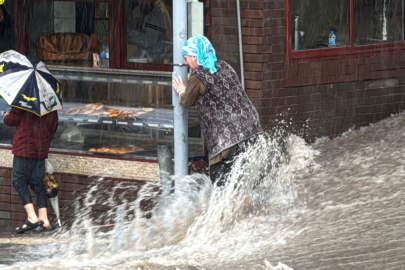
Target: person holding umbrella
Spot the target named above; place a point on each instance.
(34, 95)
(229, 120)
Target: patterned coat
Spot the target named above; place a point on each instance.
(226, 114)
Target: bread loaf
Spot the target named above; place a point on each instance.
(68, 43)
(49, 47)
(62, 44)
(93, 44)
(54, 41)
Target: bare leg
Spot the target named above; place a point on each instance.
(32, 216)
(43, 216)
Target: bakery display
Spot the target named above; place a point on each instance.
(98, 109)
(117, 150)
(66, 46)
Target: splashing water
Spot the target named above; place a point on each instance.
(337, 204)
(193, 224)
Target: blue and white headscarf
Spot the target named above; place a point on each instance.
(201, 47)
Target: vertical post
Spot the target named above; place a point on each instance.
(242, 65)
(296, 33)
(165, 159)
(180, 114)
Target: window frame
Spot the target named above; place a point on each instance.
(334, 53)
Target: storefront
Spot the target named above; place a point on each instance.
(116, 110)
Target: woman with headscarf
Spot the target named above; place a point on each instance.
(228, 118)
(6, 30)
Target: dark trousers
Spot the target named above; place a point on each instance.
(220, 171)
(27, 171)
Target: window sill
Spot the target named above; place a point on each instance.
(343, 53)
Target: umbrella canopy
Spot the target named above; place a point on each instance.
(28, 85)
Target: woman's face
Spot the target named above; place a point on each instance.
(191, 61)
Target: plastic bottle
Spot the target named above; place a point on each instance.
(332, 39)
(105, 56)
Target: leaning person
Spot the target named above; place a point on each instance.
(228, 118)
(30, 148)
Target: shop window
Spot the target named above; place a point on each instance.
(7, 36)
(319, 28)
(109, 112)
(313, 20)
(378, 21)
(67, 33)
(149, 32)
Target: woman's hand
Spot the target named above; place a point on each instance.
(179, 85)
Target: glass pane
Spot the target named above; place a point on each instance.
(313, 21)
(67, 32)
(7, 26)
(149, 31)
(378, 21)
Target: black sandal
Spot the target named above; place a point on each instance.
(29, 226)
(42, 229)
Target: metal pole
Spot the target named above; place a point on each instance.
(296, 33)
(180, 114)
(165, 159)
(403, 20)
(242, 68)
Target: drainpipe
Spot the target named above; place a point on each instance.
(242, 68)
(180, 114)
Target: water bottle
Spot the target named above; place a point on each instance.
(332, 39)
(105, 56)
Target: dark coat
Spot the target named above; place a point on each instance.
(34, 134)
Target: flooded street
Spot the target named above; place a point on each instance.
(336, 204)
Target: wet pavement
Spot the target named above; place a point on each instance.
(348, 213)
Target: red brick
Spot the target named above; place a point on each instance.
(5, 206)
(70, 187)
(5, 198)
(253, 84)
(66, 178)
(277, 13)
(258, 58)
(5, 173)
(247, 31)
(67, 195)
(5, 190)
(252, 13)
(253, 66)
(255, 23)
(254, 49)
(15, 199)
(254, 93)
(86, 180)
(253, 75)
(18, 216)
(253, 40)
(17, 208)
(256, 5)
(4, 181)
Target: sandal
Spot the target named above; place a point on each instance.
(29, 226)
(42, 229)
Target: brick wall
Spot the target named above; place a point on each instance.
(73, 190)
(326, 96)
(12, 213)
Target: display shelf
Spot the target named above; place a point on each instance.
(156, 118)
(111, 75)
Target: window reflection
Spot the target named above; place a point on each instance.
(313, 20)
(149, 31)
(6, 27)
(67, 32)
(378, 21)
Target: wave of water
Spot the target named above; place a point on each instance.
(197, 225)
(335, 204)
